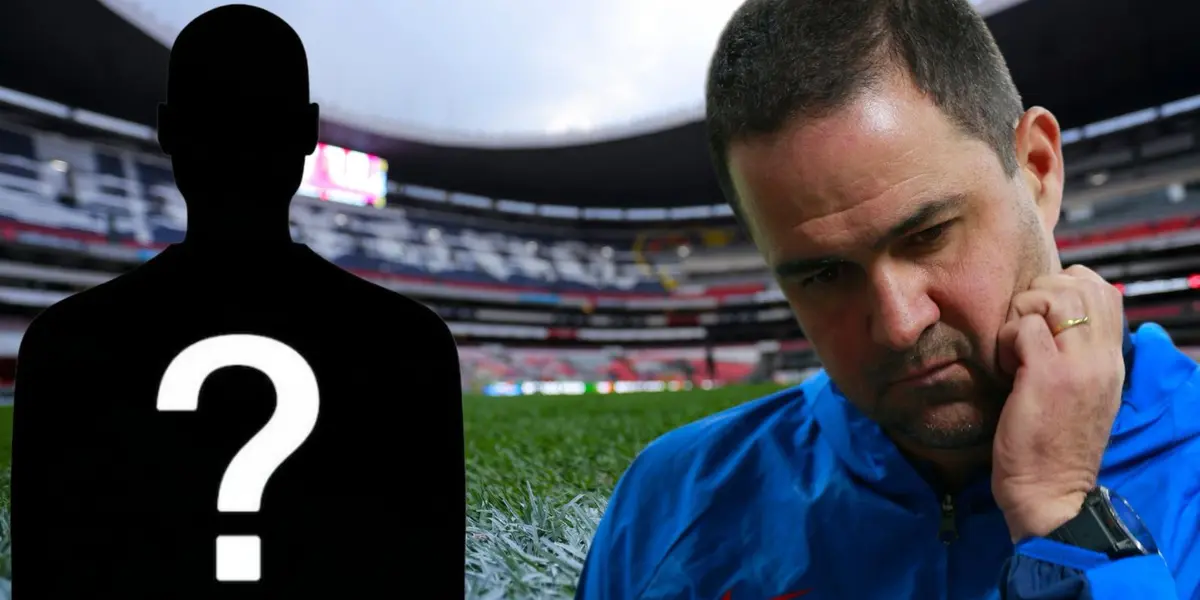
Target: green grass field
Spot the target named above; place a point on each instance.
(538, 472)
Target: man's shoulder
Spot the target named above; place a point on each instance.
(736, 425)
(707, 471)
(1164, 380)
(1153, 460)
(678, 474)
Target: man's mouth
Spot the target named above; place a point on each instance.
(923, 374)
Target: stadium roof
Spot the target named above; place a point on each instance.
(643, 146)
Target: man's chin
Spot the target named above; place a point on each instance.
(947, 425)
(951, 427)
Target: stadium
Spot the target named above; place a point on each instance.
(599, 287)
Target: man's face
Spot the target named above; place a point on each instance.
(899, 242)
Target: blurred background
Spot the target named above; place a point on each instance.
(537, 174)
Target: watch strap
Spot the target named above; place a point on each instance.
(1096, 528)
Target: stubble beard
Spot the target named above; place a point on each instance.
(953, 415)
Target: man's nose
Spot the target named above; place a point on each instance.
(902, 309)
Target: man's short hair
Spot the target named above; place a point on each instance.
(779, 60)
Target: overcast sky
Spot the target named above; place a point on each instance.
(492, 72)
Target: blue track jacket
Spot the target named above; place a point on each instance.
(799, 496)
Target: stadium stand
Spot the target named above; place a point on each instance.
(535, 301)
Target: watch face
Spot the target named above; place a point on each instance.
(1129, 520)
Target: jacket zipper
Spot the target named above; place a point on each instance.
(948, 532)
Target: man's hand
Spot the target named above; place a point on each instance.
(1066, 391)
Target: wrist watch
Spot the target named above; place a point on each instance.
(1107, 524)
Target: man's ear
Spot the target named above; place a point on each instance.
(166, 130)
(1040, 161)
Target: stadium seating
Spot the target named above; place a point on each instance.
(138, 204)
(122, 204)
(128, 200)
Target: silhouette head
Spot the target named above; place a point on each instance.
(237, 122)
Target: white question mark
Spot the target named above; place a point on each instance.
(297, 404)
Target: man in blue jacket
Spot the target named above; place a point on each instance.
(985, 426)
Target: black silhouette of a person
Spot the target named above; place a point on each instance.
(112, 498)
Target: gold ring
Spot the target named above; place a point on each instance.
(1069, 324)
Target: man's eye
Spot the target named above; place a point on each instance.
(930, 235)
(827, 275)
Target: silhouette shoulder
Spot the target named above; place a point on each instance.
(70, 313)
(402, 306)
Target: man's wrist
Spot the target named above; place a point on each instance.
(1038, 519)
